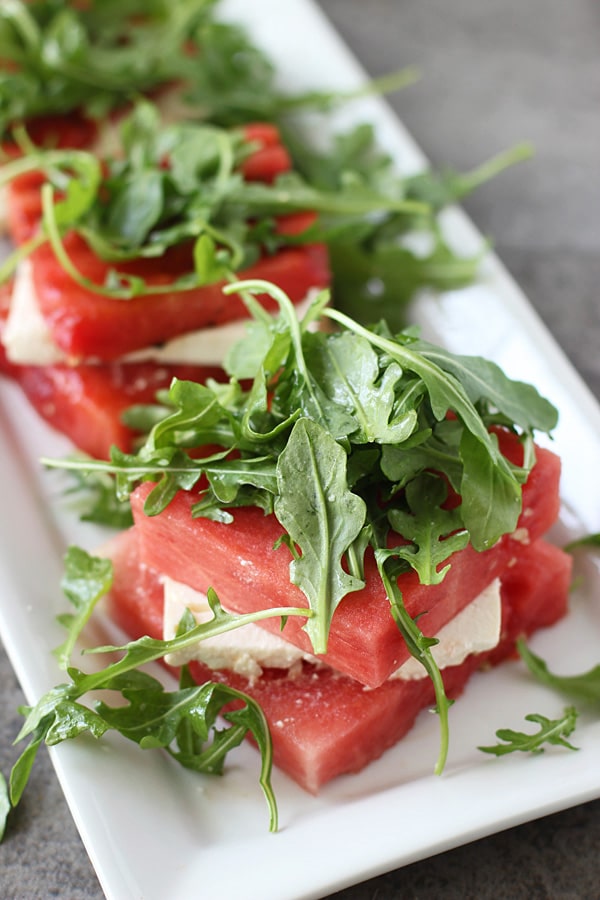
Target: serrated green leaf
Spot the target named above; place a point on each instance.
(551, 731)
(86, 580)
(348, 370)
(322, 517)
(433, 533)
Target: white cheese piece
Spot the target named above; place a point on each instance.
(475, 629)
(28, 341)
(26, 337)
(245, 650)
(248, 649)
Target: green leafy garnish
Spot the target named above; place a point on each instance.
(92, 58)
(179, 185)
(183, 722)
(85, 581)
(585, 687)
(551, 731)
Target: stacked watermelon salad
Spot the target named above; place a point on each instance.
(350, 493)
(361, 497)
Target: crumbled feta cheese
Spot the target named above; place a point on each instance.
(475, 629)
(26, 337)
(245, 650)
(248, 649)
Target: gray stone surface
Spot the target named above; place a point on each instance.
(493, 74)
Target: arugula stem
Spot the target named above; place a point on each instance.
(420, 648)
(12, 262)
(469, 181)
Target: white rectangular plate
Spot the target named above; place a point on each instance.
(153, 830)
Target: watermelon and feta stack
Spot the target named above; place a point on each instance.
(243, 562)
(68, 341)
(371, 479)
(324, 723)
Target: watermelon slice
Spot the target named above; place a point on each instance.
(239, 561)
(88, 326)
(85, 325)
(324, 724)
(86, 403)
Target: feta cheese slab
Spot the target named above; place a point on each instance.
(249, 649)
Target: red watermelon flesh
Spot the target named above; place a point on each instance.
(86, 325)
(86, 403)
(239, 562)
(324, 724)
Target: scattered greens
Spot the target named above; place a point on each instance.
(584, 687)
(551, 731)
(183, 722)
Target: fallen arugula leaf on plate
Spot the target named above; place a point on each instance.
(585, 686)
(551, 731)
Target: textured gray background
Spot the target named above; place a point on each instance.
(493, 73)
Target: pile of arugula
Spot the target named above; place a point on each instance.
(136, 207)
(59, 57)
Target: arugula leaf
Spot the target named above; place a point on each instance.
(483, 379)
(96, 500)
(433, 533)
(322, 517)
(585, 687)
(85, 581)
(347, 369)
(376, 277)
(418, 644)
(440, 189)
(551, 731)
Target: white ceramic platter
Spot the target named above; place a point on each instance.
(153, 830)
